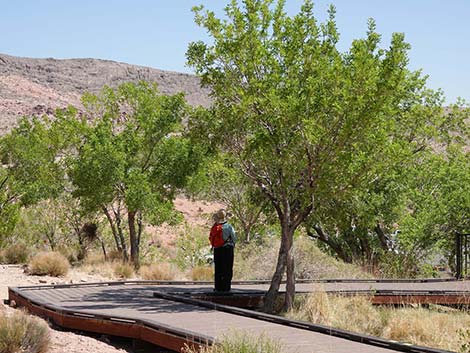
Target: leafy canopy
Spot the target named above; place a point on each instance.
(130, 150)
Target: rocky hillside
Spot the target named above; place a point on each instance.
(38, 86)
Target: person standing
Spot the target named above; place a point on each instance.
(223, 238)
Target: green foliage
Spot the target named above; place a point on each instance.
(401, 265)
(323, 134)
(131, 158)
(124, 156)
(31, 153)
(439, 204)
(241, 342)
(9, 209)
(256, 261)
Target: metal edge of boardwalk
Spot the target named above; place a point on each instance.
(161, 335)
(349, 335)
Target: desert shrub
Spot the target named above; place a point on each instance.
(202, 273)
(123, 270)
(49, 263)
(15, 254)
(240, 342)
(158, 272)
(20, 332)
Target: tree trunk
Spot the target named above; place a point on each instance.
(290, 286)
(134, 238)
(285, 260)
(382, 237)
(270, 298)
(117, 216)
(50, 238)
(113, 229)
(325, 238)
(140, 228)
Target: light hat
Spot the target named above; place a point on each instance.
(220, 216)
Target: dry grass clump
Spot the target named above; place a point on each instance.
(240, 342)
(420, 326)
(93, 258)
(123, 270)
(20, 332)
(49, 263)
(202, 273)
(349, 313)
(158, 272)
(15, 254)
(427, 327)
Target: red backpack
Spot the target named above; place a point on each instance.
(215, 236)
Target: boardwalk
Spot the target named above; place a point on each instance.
(135, 304)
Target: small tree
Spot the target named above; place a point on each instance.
(9, 208)
(130, 159)
(302, 119)
(29, 171)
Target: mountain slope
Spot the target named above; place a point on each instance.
(38, 86)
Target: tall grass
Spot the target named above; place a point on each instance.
(241, 342)
(20, 332)
(436, 327)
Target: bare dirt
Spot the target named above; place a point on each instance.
(32, 87)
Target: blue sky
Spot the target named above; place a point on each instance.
(156, 33)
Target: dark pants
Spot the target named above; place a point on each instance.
(223, 259)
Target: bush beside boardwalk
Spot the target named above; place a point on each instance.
(20, 332)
